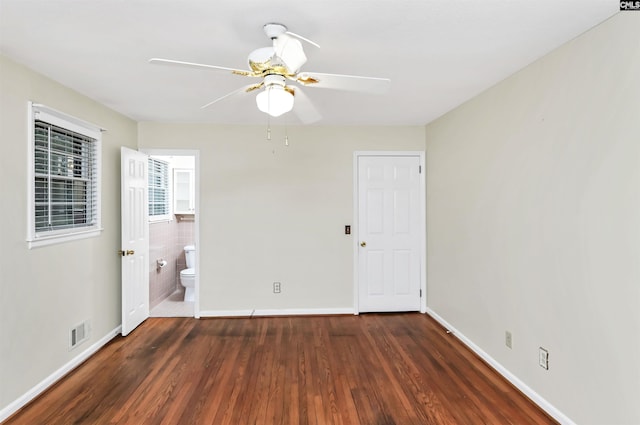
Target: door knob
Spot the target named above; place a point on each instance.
(127, 252)
(363, 244)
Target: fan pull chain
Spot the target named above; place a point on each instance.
(268, 128)
(273, 151)
(286, 136)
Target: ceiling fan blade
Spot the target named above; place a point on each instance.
(290, 51)
(344, 82)
(199, 65)
(303, 39)
(245, 89)
(304, 109)
(274, 30)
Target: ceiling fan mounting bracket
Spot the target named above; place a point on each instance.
(274, 30)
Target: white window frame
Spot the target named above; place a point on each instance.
(60, 119)
(169, 179)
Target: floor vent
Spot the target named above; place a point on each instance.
(79, 334)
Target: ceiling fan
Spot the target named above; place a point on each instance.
(279, 64)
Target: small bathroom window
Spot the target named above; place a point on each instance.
(159, 195)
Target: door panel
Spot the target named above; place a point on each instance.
(134, 239)
(402, 271)
(375, 211)
(389, 232)
(402, 209)
(375, 272)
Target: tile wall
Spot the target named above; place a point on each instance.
(166, 241)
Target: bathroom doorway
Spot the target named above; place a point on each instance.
(173, 225)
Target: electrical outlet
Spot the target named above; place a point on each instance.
(543, 358)
(276, 287)
(508, 340)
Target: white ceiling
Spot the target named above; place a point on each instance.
(437, 53)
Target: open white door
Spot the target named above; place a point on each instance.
(390, 234)
(135, 239)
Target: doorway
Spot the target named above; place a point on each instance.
(390, 243)
(170, 234)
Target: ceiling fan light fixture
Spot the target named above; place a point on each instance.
(274, 100)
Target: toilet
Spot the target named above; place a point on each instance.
(188, 275)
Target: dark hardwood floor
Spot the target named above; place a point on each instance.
(372, 369)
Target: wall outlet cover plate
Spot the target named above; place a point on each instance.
(543, 358)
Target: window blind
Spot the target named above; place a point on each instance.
(158, 187)
(65, 178)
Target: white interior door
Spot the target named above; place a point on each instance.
(135, 239)
(389, 233)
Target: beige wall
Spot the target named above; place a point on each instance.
(274, 213)
(41, 299)
(533, 212)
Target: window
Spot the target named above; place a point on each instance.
(159, 207)
(64, 201)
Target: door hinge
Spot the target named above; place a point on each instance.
(421, 293)
(419, 169)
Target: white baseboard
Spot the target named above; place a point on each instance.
(277, 312)
(55, 376)
(535, 397)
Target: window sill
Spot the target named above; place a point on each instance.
(160, 220)
(56, 239)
